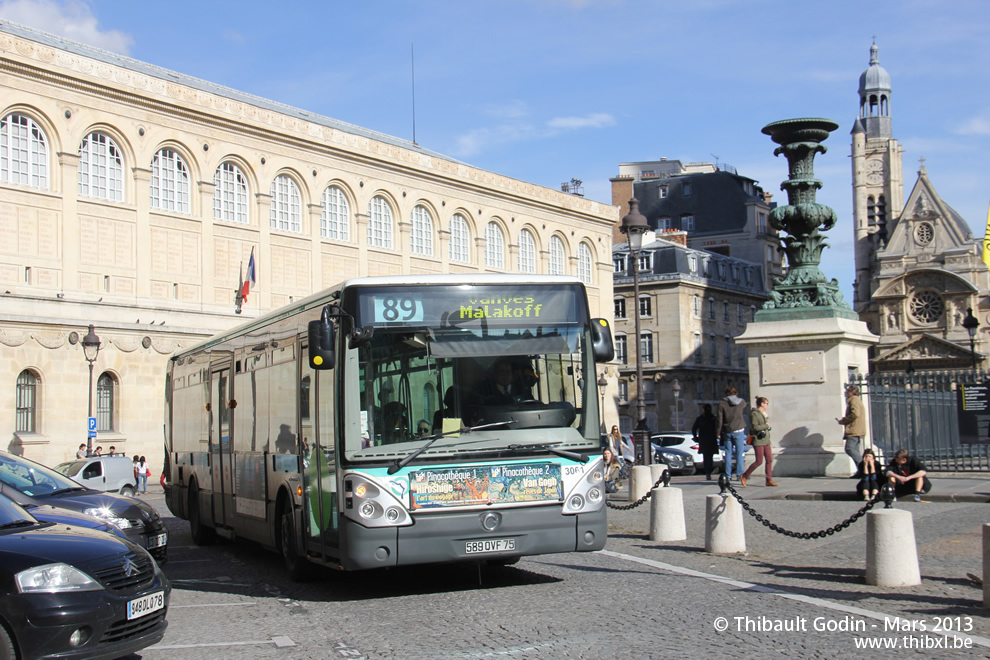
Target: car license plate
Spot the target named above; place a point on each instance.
(493, 545)
(157, 540)
(145, 605)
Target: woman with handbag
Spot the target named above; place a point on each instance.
(759, 425)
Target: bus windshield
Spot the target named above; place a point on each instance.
(512, 365)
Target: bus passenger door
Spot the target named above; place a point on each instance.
(220, 443)
(317, 401)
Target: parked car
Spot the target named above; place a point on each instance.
(32, 484)
(679, 462)
(114, 474)
(72, 593)
(54, 514)
(685, 442)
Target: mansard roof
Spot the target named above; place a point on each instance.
(717, 200)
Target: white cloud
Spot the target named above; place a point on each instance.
(979, 126)
(594, 120)
(509, 110)
(70, 19)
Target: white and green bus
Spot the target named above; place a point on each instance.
(397, 420)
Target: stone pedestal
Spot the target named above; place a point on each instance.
(801, 360)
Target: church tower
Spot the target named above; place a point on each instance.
(878, 184)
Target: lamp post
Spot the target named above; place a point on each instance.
(675, 388)
(602, 386)
(971, 324)
(91, 348)
(634, 225)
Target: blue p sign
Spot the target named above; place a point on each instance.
(92, 427)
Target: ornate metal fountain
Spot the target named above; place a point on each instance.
(804, 292)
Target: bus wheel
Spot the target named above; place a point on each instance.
(298, 567)
(201, 534)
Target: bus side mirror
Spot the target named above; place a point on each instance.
(601, 341)
(321, 340)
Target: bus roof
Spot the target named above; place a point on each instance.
(321, 298)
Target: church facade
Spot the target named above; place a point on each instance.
(919, 275)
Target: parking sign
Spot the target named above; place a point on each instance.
(92, 427)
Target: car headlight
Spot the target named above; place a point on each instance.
(673, 460)
(54, 578)
(106, 514)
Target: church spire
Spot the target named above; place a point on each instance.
(874, 97)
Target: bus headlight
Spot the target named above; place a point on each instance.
(588, 493)
(372, 505)
(576, 502)
(595, 495)
(367, 510)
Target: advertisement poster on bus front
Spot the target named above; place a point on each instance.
(497, 484)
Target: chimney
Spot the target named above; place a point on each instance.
(622, 192)
(676, 236)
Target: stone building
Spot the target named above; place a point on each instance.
(918, 267)
(132, 197)
(692, 304)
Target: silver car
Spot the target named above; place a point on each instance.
(685, 442)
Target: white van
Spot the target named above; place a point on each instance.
(104, 473)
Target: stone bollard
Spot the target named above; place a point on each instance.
(724, 533)
(667, 515)
(986, 565)
(640, 483)
(656, 472)
(891, 551)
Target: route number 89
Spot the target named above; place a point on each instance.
(391, 309)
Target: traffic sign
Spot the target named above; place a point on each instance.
(92, 427)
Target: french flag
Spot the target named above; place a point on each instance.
(250, 278)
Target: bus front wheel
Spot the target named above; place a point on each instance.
(201, 534)
(297, 566)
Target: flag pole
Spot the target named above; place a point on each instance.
(238, 296)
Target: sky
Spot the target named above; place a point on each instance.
(546, 91)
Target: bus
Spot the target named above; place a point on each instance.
(393, 421)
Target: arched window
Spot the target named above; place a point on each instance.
(26, 406)
(460, 239)
(421, 239)
(230, 194)
(556, 256)
(106, 397)
(335, 223)
(380, 224)
(101, 168)
(527, 252)
(495, 246)
(23, 152)
(169, 182)
(584, 263)
(286, 210)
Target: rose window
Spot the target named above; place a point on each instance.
(927, 307)
(925, 233)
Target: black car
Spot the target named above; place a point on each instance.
(31, 484)
(677, 461)
(68, 592)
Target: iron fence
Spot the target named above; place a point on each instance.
(919, 412)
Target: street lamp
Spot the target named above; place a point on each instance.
(602, 386)
(971, 324)
(91, 348)
(675, 388)
(634, 225)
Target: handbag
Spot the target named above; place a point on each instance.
(749, 440)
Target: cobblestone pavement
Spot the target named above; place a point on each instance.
(636, 599)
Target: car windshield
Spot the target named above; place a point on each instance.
(70, 469)
(14, 515)
(33, 479)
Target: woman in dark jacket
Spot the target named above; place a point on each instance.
(705, 431)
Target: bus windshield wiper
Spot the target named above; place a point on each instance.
(403, 462)
(552, 448)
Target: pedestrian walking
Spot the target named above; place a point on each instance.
(615, 441)
(759, 426)
(98, 451)
(142, 473)
(705, 432)
(731, 424)
(613, 470)
(908, 476)
(82, 452)
(855, 424)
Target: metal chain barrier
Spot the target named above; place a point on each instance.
(627, 507)
(803, 535)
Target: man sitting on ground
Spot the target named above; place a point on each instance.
(907, 475)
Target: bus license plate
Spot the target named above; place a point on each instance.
(157, 541)
(494, 545)
(145, 605)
